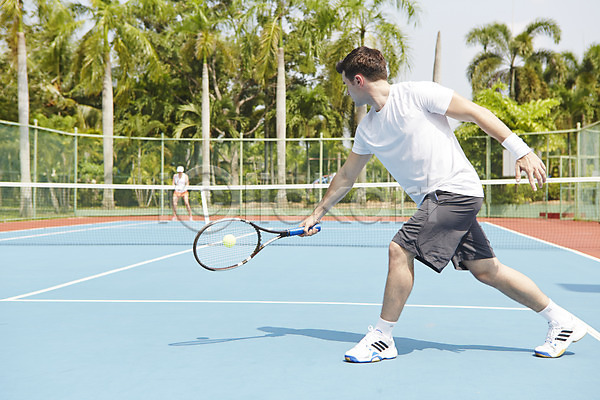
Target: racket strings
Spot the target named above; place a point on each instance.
(217, 252)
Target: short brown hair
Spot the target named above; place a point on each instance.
(366, 61)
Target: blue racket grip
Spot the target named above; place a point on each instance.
(300, 231)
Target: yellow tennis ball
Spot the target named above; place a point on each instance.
(229, 240)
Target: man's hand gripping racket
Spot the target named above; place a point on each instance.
(231, 242)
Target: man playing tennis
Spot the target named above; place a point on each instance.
(407, 129)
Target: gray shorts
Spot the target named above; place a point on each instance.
(445, 229)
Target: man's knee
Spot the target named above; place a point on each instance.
(486, 270)
(399, 256)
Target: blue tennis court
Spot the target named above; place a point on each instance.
(146, 322)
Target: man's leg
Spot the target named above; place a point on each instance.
(509, 281)
(399, 284)
(378, 344)
(564, 328)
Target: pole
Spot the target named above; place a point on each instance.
(35, 141)
(578, 170)
(75, 161)
(320, 163)
(162, 174)
(488, 174)
(437, 63)
(241, 168)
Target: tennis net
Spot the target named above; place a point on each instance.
(565, 211)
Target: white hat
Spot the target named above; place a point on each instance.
(180, 169)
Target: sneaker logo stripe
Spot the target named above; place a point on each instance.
(380, 346)
(377, 346)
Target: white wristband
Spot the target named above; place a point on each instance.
(516, 146)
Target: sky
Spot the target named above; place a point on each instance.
(578, 20)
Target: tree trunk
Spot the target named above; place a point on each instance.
(437, 63)
(23, 106)
(107, 132)
(205, 129)
(361, 193)
(511, 83)
(281, 120)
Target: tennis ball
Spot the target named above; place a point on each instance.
(229, 240)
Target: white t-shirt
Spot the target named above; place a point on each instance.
(411, 136)
(180, 183)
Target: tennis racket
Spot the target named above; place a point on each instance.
(231, 242)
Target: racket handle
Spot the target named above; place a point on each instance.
(300, 231)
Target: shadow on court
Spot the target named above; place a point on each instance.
(581, 288)
(404, 345)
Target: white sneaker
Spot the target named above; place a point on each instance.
(375, 346)
(560, 337)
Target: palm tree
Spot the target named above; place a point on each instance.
(207, 42)
(534, 116)
(113, 30)
(576, 83)
(54, 41)
(311, 114)
(58, 26)
(202, 40)
(503, 53)
(271, 57)
(587, 85)
(365, 24)
(12, 15)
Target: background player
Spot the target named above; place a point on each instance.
(181, 181)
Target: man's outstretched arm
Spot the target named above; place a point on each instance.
(527, 161)
(339, 187)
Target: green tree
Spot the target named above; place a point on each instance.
(229, 91)
(364, 24)
(271, 56)
(113, 30)
(11, 15)
(301, 27)
(577, 84)
(502, 52)
(54, 40)
(311, 115)
(534, 116)
(205, 22)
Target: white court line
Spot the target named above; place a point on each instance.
(594, 333)
(105, 223)
(71, 231)
(543, 241)
(319, 303)
(113, 271)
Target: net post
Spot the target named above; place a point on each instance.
(402, 201)
(75, 145)
(204, 205)
(35, 146)
(241, 169)
(546, 188)
(578, 170)
(161, 212)
(320, 163)
(488, 174)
